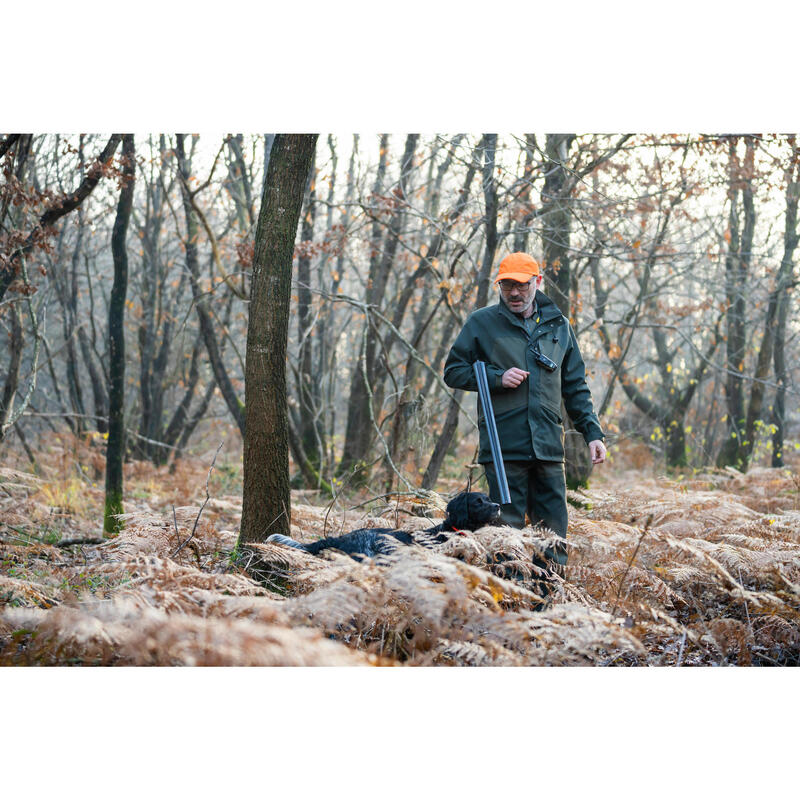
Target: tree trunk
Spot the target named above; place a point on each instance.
(115, 450)
(311, 434)
(486, 153)
(197, 415)
(676, 441)
(180, 417)
(556, 225)
(412, 396)
(207, 327)
(670, 413)
(489, 148)
(328, 356)
(443, 442)
(366, 386)
(99, 390)
(357, 434)
(790, 241)
(182, 424)
(736, 265)
(556, 232)
(522, 233)
(16, 341)
(266, 504)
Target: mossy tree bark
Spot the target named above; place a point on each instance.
(116, 339)
(266, 503)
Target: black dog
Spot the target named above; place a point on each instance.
(466, 511)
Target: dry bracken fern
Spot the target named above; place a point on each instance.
(660, 572)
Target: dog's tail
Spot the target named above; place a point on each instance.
(281, 539)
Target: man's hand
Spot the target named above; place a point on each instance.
(513, 377)
(597, 451)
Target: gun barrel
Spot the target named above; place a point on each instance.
(491, 426)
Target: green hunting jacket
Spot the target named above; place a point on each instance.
(529, 422)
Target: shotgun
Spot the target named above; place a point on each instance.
(491, 427)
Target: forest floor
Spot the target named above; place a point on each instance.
(700, 569)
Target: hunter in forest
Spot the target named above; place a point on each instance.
(532, 363)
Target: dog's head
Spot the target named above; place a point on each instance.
(472, 510)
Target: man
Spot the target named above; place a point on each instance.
(532, 362)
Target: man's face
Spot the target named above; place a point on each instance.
(519, 296)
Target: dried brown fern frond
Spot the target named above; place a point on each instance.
(289, 569)
(573, 634)
(15, 482)
(748, 542)
(467, 548)
(700, 549)
(21, 592)
(733, 558)
(767, 490)
(31, 552)
(353, 596)
(32, 575)
(715, 579)
(310, 523)
(793, 587)
(143, 533)
(470, 654)
(123, 633)
(164, 573)
(785, 526)
(690, 575)
(205, 603)
(183, 535)
(731, 637)
(510, 552)
(777, 640)
(401, 605)
(643, 584)
(664, 504)
(60, 636)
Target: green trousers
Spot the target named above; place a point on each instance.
(538, 488)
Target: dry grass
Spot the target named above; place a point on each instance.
(693, 572)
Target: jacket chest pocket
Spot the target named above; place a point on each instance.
(549, 343)
(507, 351)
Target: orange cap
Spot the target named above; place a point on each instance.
(518, 267)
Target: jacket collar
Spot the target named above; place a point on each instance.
(547, 310)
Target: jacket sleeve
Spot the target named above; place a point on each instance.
(466, 350)
(576, 394)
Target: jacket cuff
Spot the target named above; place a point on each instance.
(593, 433)
(495, 377)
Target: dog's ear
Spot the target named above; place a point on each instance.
(457, 511)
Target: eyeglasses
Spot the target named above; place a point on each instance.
(507, 285)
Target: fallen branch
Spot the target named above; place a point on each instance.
(86, 540)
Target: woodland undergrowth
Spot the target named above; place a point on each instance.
(704, 570)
